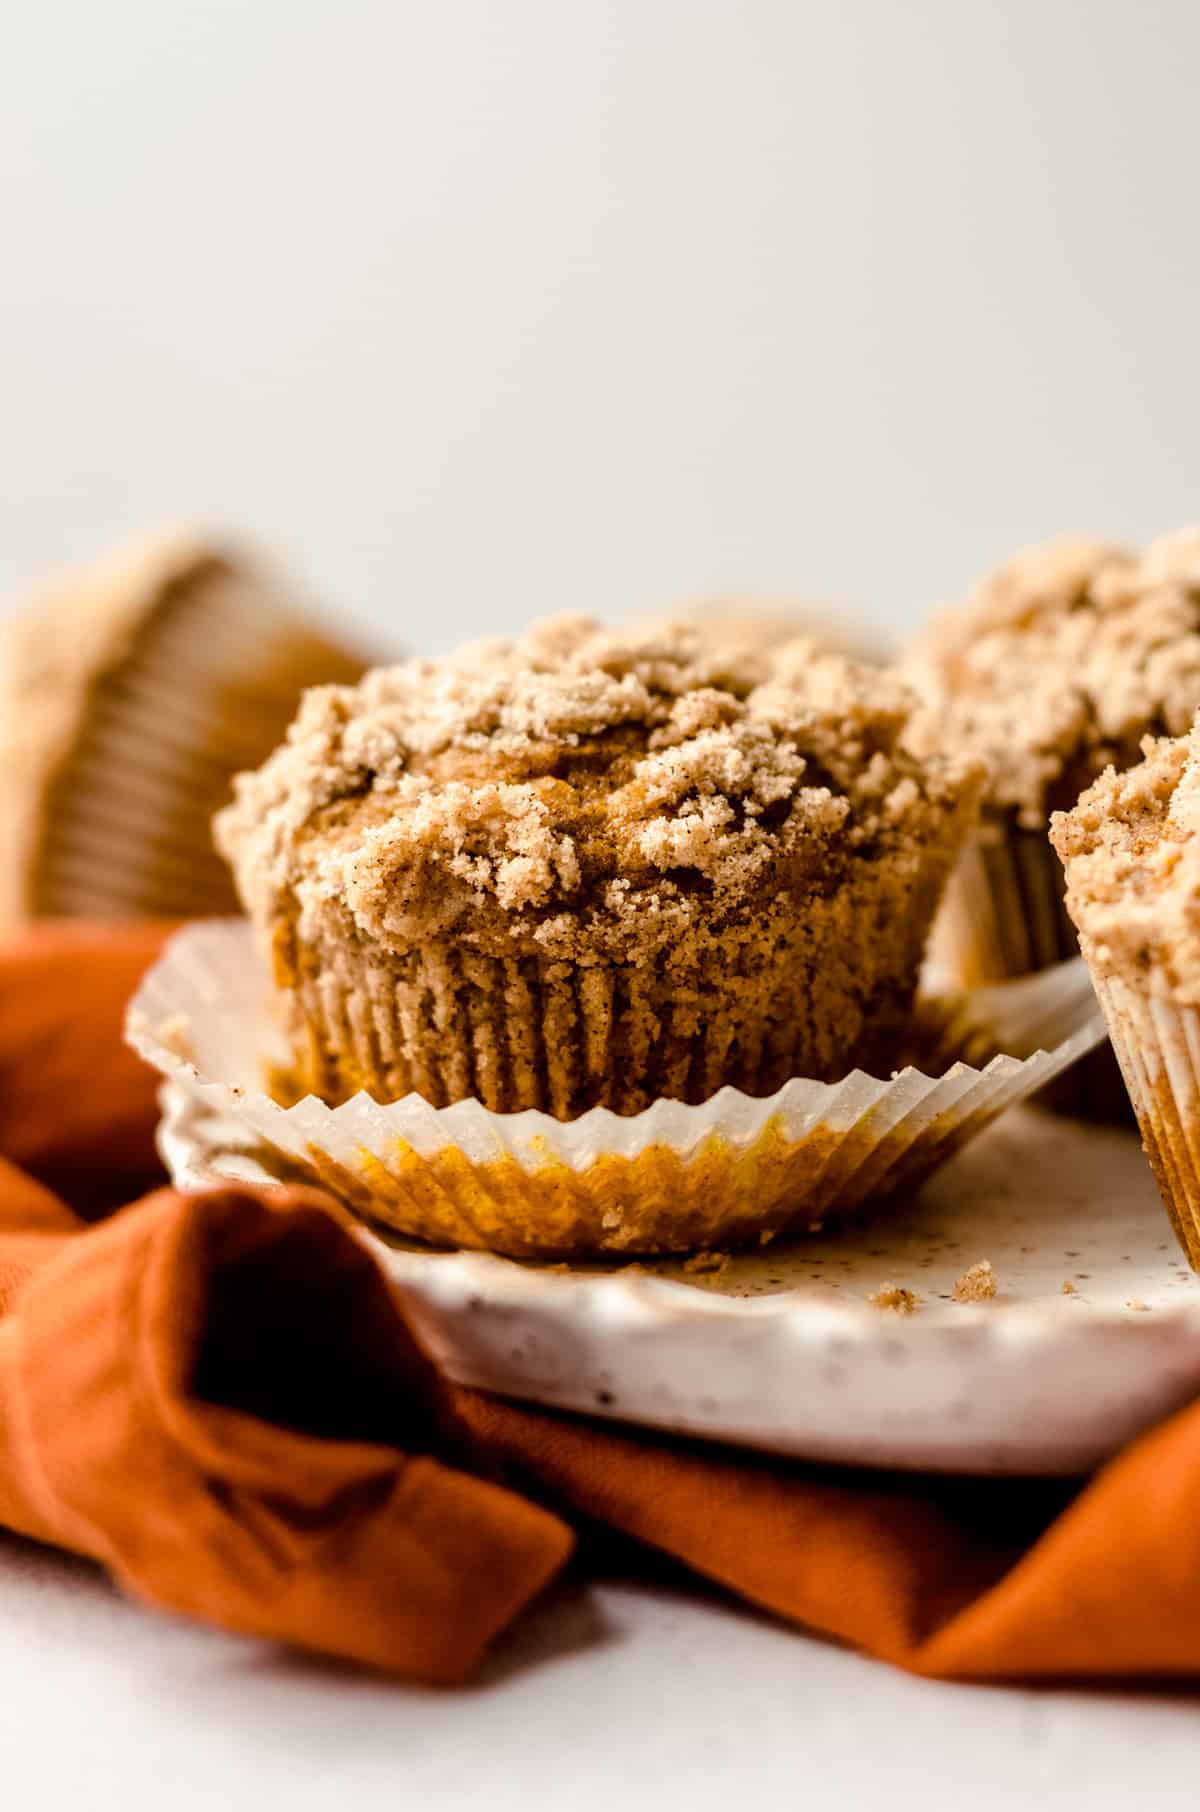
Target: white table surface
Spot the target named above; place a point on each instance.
(620, 1694)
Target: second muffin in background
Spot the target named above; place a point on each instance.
(1056, 667)
(131, 692)
(584, 869)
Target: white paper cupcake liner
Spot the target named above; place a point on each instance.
(1003, 916)
(674, 1178)
(1158, 1047)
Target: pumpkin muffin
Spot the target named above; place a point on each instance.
(1057, 667)
(1131, 852)
(584, 869)
(130, 694)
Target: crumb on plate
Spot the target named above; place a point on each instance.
(977, 1284)
(893, 1296)
(712, 1264)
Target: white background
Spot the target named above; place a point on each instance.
(473, 309)
(624, 1697)
(481, 308)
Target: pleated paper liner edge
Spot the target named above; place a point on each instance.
(1003, 917)
(732, 1170)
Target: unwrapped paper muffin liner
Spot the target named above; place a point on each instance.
(1003, 916)
(206, 686)
(732, 1170)
(1157, 1044)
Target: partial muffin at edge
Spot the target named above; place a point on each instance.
(131, 692)
(1131, 853)
(1056, 667)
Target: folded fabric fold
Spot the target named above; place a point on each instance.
(218, 1398)
(148, 1422)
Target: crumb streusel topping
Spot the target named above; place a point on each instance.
(580, 792)
(1063, 660)
(977, 1283)
(895, 1297)
(1131, 851)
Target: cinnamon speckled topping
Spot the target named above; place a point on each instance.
(1131, 850)
(580, 792)
(1062, 661)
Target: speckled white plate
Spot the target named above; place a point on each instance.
(782, 1351)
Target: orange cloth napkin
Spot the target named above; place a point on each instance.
(217, 1398)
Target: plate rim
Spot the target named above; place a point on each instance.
(410, 1263)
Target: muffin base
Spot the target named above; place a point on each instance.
(801, 988)
(1003, 917)
(733, 1170)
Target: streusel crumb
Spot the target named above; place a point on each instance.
(707, 1264)
(895, 1297)
(976, 1285)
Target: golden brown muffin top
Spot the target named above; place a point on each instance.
(1131, 850)
(580, 792)
(1062, 661)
